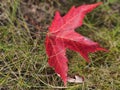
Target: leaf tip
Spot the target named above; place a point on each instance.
(98, 3)
(57, 13)
(102, 49)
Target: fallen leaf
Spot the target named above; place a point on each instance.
(61, 36)
(76, 79)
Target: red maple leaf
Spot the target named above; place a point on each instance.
(61, 36)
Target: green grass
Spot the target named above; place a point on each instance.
(23, 61)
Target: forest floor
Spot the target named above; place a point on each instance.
(23, 60)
